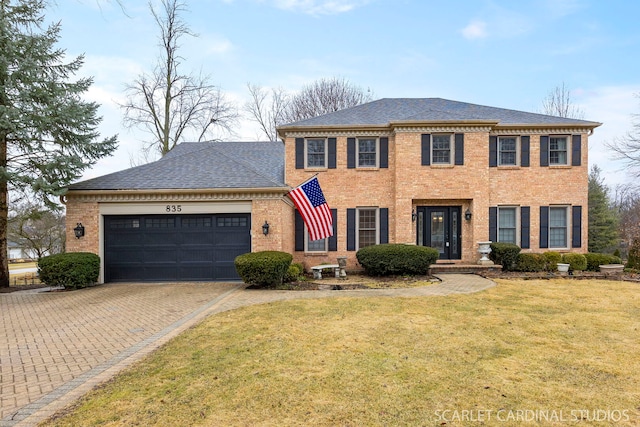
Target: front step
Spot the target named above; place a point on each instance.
(463, 268)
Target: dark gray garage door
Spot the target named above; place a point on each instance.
(174, 247)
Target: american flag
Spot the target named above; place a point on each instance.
(314, 209)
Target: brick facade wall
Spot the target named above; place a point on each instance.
(407, 184)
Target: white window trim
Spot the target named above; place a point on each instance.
(377, 165)
(518, 148)
(452, 149)
(517, 218)
(358, 210)
(306, 153)
(568, 227)
(568, 150)
(306, 243)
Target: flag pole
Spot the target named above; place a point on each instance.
(303, 183)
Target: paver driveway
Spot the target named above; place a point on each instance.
(56, 346)
(58, 343)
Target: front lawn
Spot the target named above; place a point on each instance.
(535, 352)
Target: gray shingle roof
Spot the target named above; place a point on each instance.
(389, 110)
(197, 165)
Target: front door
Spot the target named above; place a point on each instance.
(439, 228)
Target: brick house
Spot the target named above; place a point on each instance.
(424, 171)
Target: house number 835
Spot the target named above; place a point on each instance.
(174, 208)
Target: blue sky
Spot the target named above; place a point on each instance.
(501, 53)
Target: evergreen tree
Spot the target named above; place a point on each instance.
(48, 133)
(603, 220)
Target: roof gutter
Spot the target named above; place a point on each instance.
(274, 190)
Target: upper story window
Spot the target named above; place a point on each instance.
(507, 151)
(441, 149)
(367, 152)
(316, 153)
(558, 150)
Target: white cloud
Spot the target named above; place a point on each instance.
(561, 8)
(319, 7)
(475, 30)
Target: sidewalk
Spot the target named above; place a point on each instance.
(56, 346)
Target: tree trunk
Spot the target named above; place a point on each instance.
(4, 214)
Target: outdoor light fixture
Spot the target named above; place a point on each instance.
(79, 230)
(413, 215)
(467, 215)
(265, 228)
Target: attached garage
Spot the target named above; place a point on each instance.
(185, 217)
(174, 247)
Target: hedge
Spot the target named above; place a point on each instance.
(594, 260)
(552, 259)
(577, 262)
(504, 254)
(264, 268)
(73, 270)
(531, 262)
(396, 259)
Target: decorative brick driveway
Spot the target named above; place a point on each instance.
(56, 346)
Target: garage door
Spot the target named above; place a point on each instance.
(174, 247)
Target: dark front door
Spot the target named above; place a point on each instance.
(439, 228)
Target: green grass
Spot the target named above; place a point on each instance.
(552, 348)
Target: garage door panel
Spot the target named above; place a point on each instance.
(175, 247)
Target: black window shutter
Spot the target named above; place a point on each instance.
(299, 231)
(525, 227)
(351, 229)
(459, 148)
(544, 226)
(524, 151)
(333, 240)
(576, 151)
(576, 225)
(332, 153)
(384, 225)
(384, 152)
(299, 153)
(544, 151)
(493, 151)
(426, 149)
(351, 153)
(493, 224)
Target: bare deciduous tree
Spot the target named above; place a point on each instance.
(39, 230)
(168, 104)
(275, 108)
(558, 103)
(627, 148)
(627, 202)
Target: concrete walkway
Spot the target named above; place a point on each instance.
(56, 346)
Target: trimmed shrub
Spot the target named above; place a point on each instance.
(552, 259)
(594, 261)
(293, 273)
(530, 262)
(264, 268)
(577, 262)
(73, 270)
(396, 259)
(634, 255)
(504, 254)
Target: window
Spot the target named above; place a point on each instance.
(367, 152)
(316, 153)
(367, 222)
(507, 225)
(558, 227)
(558, 150)
(314, 245)
(507, 149)
(441, 149)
